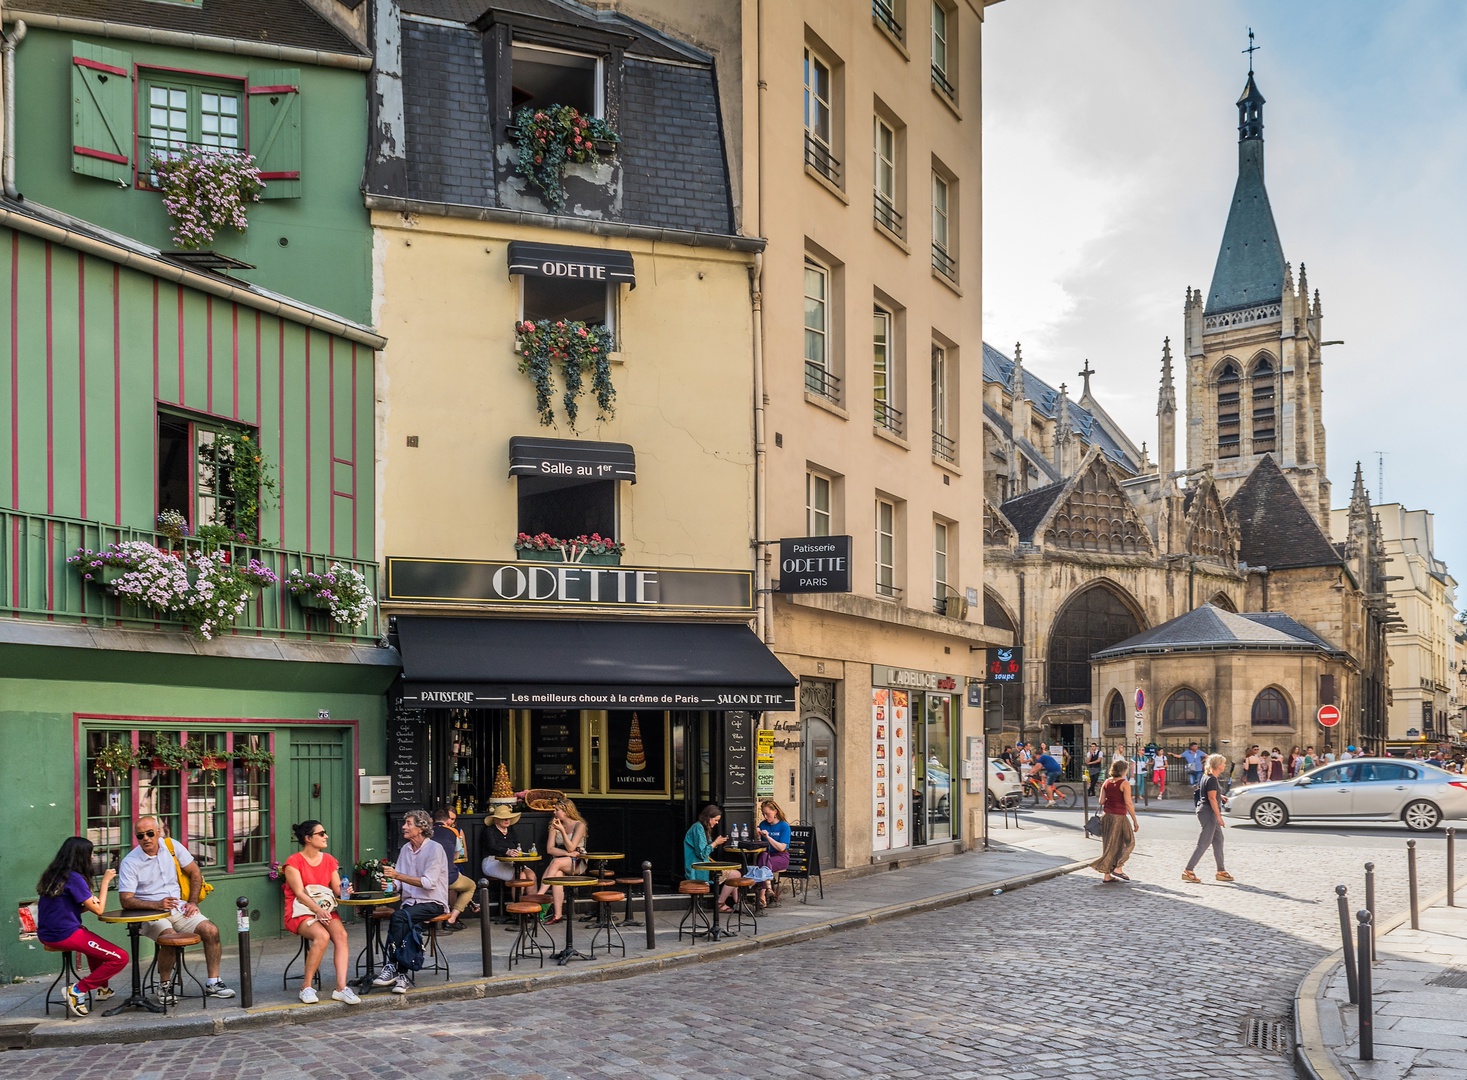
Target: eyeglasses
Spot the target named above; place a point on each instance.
(319, 832)
(146, 834)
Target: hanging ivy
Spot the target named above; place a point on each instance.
(246, 470)
(575, 346)
(549, 139)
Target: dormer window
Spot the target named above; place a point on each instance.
(542, 76)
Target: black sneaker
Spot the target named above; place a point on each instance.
(386, 976)
(217, 990)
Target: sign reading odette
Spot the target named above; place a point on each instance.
(469, 581)
(815, 564)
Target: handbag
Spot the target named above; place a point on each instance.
(183, 883)
(322, 894)
(1092, 827)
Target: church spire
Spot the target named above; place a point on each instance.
(1016, 375)
(1166, 421)
(1250, 263)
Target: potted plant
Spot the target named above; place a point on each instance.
(547, 140)
(117, 757)
(205, 189)
(340, 590)
(202, 756)
(167, 753)
(174, 526)
(576, 347)
(254, 758)
(368, 873)
(594, 550)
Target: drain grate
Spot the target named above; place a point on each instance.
(1265, 1034)
(1455, 977)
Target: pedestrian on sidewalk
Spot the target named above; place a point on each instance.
(1158, 771)
(1093, 764)
(1209, 817)
(1118, 824)
(65, 893)
(312, 887)
(1192, 759)
(1250, 765)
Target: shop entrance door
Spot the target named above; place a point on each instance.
(317, 785)
(817, 806)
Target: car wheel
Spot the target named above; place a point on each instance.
(1421, 816)
(1270, 814)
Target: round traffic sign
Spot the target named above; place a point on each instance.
(1329, 715)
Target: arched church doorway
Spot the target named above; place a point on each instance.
(1095, 618)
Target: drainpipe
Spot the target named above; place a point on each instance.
(7, 50)
(765, 614)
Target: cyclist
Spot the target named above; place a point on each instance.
(1053, 770)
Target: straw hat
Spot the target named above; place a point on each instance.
(501, 813)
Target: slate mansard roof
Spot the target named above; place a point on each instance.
(673, 166)
(290, 23)
(1275, 529)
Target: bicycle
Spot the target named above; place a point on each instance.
(1064, 795)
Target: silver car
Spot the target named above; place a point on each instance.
(1366, 789)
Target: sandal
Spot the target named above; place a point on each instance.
(1223, 875)
(552, 922)
(724, 909)
(1123, 877)
(1187, 875)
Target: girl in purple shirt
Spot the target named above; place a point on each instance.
(65, 894)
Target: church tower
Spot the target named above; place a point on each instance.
(1252, 345)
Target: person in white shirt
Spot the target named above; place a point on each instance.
(148, 880)
(422, 871)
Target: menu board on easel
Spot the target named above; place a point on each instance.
(555, 750)
(407, 755)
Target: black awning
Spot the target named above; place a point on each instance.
(573, 263)
(571, 460)
(616, 664)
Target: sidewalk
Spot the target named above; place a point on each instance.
(1420, 991)
(849, 903)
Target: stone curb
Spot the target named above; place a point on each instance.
(266, 1016)
(1312, 1059)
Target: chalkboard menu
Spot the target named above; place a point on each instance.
(804, 859)
(555, 750)
(407, 755)
(738, 756)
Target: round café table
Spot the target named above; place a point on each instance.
(716, 871)
(570, 952)
(133, 920)
(373, 928)
(596, 862)
(512, 860)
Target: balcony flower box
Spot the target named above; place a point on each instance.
(594, 550)
(586, 558)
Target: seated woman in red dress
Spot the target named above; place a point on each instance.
(312, 884)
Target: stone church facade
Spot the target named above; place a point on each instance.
(1089, 543)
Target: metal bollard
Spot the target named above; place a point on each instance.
(486, 928)
(1367, 1007)
(647, 904)
(1411, 878)
(1451, 868)
(1370, 901)
(246, 977)
(1349, 944)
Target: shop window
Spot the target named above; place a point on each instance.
(216, 804)
(196, 473)
(543, 76)
(545, 299)
(819, 490)
(1270, 709)
(565, 511)
(1184, 709)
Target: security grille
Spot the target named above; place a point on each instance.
(1454, 977)
(1261, 1033)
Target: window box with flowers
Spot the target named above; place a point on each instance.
(205, 189)
(341, 591)
(593, 550)
(576, 347)
(548, 139)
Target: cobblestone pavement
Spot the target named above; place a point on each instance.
(1069, 978)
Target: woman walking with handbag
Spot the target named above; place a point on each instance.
(1118, 824)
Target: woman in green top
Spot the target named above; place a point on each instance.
(699, 844)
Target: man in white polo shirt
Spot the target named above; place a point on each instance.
(147, 880)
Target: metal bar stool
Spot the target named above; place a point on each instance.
(528, 944)
(376, 918)
(68, 977)
(697, 920)
(606, 922)
(300, 954)
(743, 901)
(170, 990)
(627, 883)
(440, 961)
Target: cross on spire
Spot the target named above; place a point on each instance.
(1085, 373)
(1250, 50)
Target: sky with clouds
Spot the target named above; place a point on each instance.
(1110, 153)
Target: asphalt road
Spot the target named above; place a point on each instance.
(1070, 978)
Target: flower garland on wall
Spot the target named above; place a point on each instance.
(205, 189)
(549, 139)
(575, 346)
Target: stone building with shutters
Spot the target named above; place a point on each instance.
(1090, 543)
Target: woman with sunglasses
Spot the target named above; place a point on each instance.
(66, 893)
(311, 876)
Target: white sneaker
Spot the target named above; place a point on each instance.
(386, 976)
(401, 985)
(348, 995)
(308, 995)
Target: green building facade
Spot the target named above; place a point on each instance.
(131, 385)
(95, 101)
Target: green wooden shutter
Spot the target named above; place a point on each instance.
(101, 112)
(275, 130)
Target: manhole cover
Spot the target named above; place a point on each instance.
(1456, 977)
(1265, 1034)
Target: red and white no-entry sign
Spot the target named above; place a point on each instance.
(1329, 715)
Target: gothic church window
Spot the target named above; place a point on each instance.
(1115, 713)
(1184, 709)
(1264, 424)
(1270, 709)
(1095, 619)
(1229, 431)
